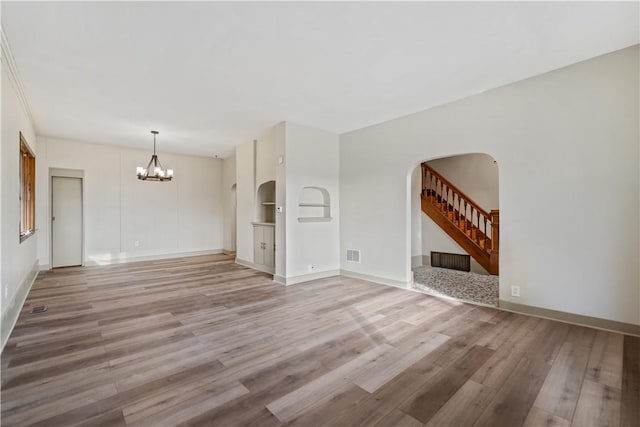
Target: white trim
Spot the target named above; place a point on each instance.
(12, 313)
(571, 318)
(120, 259)
(7, 55)
(74, 174)
(294, 280)
(376, 279)
(259, 267)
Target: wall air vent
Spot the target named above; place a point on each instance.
(353, 255)
(451, 261)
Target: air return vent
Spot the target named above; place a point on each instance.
(451, 261)
(353, 255)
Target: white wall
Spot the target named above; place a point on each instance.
(565, 142)
(311, 159)
(18, 265)
(245, 196)
(165, 218)
(229, 203)
(266, 158)
(416, 217)
(281, 200)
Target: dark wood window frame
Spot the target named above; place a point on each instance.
(27, 190)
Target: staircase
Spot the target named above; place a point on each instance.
(473, 228)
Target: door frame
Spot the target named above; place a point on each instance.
(66, 173)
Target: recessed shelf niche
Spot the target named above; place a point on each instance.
(266, 203)
(314, 205)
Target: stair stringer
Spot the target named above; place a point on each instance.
(458, 236)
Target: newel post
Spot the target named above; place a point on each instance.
(423, 192)
(495, 241)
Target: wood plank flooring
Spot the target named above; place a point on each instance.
(203, 341)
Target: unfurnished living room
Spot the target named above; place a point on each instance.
(320, 214)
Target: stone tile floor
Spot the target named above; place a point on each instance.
(466, 286)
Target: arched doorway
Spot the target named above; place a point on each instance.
(455, 227)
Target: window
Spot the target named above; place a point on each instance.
(27, 190)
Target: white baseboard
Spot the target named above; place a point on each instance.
(259, 267)
(123, 259)
(11, 314)
(376, 279)
(575, 319)
(287, 281)
(306, 277)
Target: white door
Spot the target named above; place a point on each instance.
(66, 221)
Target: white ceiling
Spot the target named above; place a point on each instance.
(210, 76)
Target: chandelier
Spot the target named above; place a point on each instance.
(154, 171)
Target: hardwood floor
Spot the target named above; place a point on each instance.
(203, 341)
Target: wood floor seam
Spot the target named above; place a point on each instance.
(203, 341)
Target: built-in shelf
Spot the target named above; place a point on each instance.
(314, 219)
(265, 203)
(263, 223)
(314, 205)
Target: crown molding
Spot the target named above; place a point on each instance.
(7, 57)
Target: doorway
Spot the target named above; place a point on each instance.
(66, 221)
(455, 218)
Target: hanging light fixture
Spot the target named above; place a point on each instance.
(154, 171)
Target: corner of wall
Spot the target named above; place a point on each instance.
(12, 311)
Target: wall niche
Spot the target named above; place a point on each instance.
(314, 205)
(266, 203)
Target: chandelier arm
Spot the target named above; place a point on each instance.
(149, 166)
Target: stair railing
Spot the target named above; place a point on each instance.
(478, 224)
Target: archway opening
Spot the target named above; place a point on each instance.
(454, 227)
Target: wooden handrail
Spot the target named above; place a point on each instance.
(472, 227)
(432, 171)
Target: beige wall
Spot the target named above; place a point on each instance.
(565, 142)
(18, 264)
(229, 203)
(178, 217)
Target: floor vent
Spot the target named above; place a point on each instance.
(451, 261)
(39, 309)
(353, 255)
